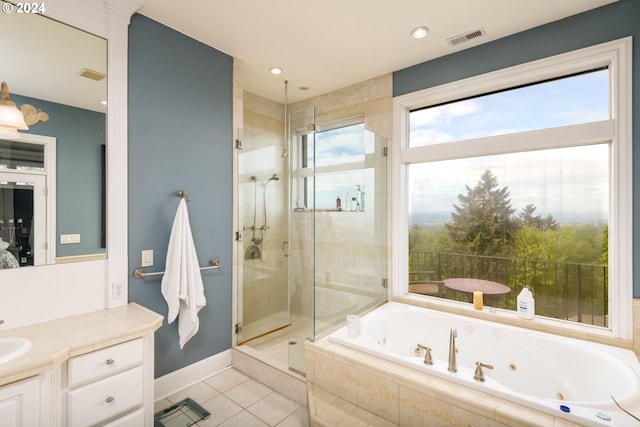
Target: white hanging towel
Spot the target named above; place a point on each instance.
(182, 282)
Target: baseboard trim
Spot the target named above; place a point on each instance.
(175, 381)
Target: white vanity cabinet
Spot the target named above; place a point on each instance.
(92, 369)
(20, 403)
(107, 386)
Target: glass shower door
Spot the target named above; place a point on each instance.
(263, 283)
(338, 224)
(350, 236)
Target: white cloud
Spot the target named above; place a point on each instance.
(444, 114)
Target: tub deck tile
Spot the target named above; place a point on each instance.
(357, 418)
(517, 415)
(336, 412)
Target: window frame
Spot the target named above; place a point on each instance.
(617, 56)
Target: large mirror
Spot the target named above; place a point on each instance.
(56, 75)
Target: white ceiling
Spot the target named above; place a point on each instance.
(331, 44)
(324, 44)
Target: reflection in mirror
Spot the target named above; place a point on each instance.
(57, 77)
(27, 170)
(22, 206)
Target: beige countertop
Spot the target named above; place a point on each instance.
(58, 340)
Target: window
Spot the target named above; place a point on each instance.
(521, 177)
(339, 160)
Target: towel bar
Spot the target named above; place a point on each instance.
(139, 273)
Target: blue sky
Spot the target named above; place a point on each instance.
(571, 184)
(580, 99)
(335, 147)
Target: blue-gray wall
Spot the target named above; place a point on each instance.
(180, 137)
(611, 22)
(79, 135)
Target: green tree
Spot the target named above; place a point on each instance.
(528, 219)
(482, 222)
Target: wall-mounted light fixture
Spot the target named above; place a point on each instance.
(11, 119)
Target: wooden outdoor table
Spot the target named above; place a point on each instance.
(469, 286)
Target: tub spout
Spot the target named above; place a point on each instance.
(479, 374)
(453, 366)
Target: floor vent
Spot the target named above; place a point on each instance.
(465, 37)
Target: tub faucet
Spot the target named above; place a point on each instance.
(479, 374)
(453, 366)
(428, 359)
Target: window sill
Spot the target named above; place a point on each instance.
(299, 210)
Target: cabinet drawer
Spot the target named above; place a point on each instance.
(105, 399)
(134, 419)
(108, 361)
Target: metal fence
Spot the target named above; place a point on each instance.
(563, 290)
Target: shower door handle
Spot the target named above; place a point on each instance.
(285, 249)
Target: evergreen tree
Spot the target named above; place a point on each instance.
(527, 219)
(482, 222)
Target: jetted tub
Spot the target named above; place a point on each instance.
(564, 377)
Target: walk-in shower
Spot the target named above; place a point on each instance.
(317, 263)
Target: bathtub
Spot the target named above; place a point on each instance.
(566, 378)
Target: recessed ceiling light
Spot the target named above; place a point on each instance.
(419, 32)
(276, 70)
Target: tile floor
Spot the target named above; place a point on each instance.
(235, 399)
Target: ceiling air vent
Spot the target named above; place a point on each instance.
(465, 37)
(91, 74)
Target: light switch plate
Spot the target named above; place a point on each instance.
(147, 258)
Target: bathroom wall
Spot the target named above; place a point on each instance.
(180, 137)
(614, 21)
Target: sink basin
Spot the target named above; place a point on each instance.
(12, 347)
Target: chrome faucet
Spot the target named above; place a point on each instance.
(453, 366)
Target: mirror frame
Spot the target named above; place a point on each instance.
(52, 291)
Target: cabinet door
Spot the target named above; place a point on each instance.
(19, 404)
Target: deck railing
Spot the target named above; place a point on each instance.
(563, 290)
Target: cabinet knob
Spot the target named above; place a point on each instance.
(110, 399)
(110, 361)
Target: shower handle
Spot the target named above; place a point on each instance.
(285, 249)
